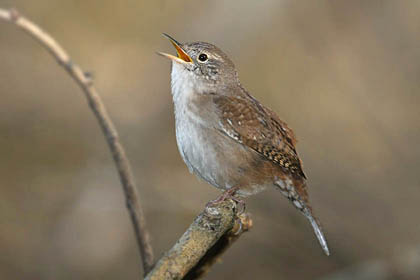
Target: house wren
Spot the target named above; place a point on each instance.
(228, 138)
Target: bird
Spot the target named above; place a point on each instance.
(227, 137)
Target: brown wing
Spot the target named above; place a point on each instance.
(247, 121)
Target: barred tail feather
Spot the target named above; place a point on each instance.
(317, 230)
(296, 193)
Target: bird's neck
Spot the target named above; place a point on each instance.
(184, 80)
(182, 83)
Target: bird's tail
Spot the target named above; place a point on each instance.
(317, 229)
(297, 194)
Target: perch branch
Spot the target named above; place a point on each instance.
(214, 254)
(85, 83)
(211, 233)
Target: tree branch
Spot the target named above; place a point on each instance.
(85, 82)
(211, 233)
(243, 223)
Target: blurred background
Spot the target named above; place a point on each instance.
(343, 74)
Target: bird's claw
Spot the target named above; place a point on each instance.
(229, 194)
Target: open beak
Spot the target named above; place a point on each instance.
(183, 57)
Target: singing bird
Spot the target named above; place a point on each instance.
(228, 138)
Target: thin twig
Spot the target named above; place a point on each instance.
(211, 233)
(108, 128)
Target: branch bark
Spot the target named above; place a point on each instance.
(95, 103)
(211, 233)
(243, 223)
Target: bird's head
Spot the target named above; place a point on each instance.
(201, 64)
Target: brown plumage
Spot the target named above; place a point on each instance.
(259, 128)
(228, 138)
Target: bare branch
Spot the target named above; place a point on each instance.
(213, 255)
(108, 128)
(211, 233)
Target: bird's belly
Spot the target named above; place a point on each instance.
(199, 152)
(216, 158)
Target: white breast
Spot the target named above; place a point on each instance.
(195, 149)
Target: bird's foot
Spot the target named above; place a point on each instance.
(229, 194)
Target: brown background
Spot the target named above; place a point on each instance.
(343, 74)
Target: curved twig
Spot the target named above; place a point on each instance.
(85, 82)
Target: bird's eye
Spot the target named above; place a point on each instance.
(202, 57)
